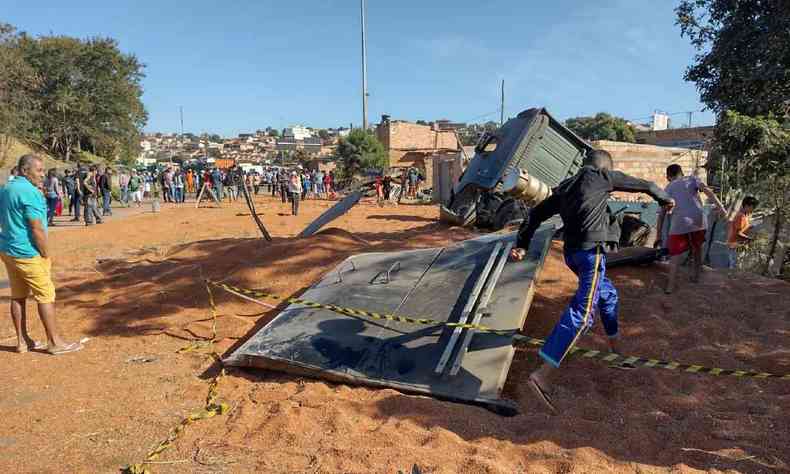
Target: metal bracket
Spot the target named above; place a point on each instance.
(387, 275)
(340, 271)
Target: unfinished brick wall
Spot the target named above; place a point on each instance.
(650, 162)
(411, 136)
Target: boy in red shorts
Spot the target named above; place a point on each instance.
(687, 222)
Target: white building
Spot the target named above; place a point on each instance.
(660, 121)
(297, 132)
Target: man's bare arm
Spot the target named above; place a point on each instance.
(712, 196)
(660, 227)
(39, 237)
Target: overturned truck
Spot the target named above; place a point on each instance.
(535, 144)
(516, 167)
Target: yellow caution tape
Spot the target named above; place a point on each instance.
(211, 409)
(517, 338)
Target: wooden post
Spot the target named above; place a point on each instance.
(251, 207)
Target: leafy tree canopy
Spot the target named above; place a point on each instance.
(18, 84)
(743, 60)
(359, 151)
(602, 127)
(87, 93)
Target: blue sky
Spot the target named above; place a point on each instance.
(240, 65)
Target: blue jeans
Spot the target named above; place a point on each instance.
(595, 291)
(125, 195)
(105, 198)
(76, 202)
(52, 204)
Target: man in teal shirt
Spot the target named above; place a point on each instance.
(25, 252)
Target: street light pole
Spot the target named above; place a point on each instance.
(364, 70)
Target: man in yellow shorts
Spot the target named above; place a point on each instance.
(25, 253)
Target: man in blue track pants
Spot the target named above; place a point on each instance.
(581, 201)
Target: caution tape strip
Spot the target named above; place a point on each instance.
(517, 338)
(211, 409)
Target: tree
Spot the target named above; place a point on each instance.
(215, 138)
(755, 154)
(90, 95)
(323, 134)
(18, 88)
(273, 132)
(743, 60)
(359, 151)
(602, 127)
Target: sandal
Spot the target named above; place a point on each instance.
(542, 395)
(73, 347)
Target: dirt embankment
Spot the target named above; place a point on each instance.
(108, 405)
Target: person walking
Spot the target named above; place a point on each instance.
(136, 188)
(167, 184)
(387, 187)
(105, 189)
(295, 189)
(90, 190)
(178, 186)
(284, 184)
(190, 181)
(68, 188)
(581, 202)
(216, 182)
(53, 194)
(78, 196)
(306, 185)
(688, 222)
(123, 185)
(24, 249)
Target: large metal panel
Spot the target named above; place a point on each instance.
(431, 283)
(342, 206)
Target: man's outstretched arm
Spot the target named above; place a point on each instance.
(537, 216)
(629, 184)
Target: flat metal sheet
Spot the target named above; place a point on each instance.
(429, 283)
(342, 206)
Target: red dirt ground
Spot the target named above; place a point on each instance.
(132, 286)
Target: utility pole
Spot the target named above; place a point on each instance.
(364, 70)
(502, 106)
(690, 113)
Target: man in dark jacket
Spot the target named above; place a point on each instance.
(105, 189)
(581, 201)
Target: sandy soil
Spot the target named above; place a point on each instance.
(132, 286)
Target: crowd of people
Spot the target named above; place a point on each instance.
(86, 192)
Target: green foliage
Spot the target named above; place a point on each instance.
(215, 138)
(602, 127)
(743, 60)
(755, 157)
(86, 94)
(359, 151)
(323, 134)
(273, 132)
(18, 83)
